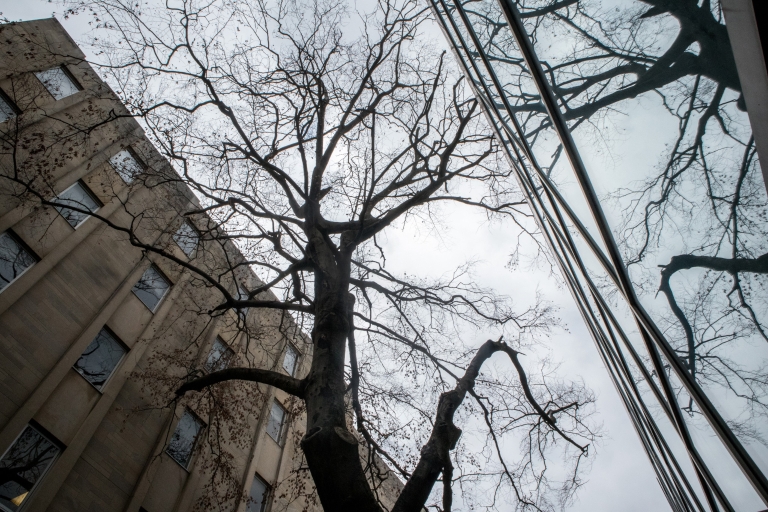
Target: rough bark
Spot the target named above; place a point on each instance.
(330, 449)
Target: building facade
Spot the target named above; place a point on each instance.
(95, 333)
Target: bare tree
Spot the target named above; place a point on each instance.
(306, 132)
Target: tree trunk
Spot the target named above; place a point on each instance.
(331, 450)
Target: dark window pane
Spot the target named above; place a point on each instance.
(187, 238)
(183, 440)
(290, 360)
(14, 259)
(100, 359)
(126, 165)
(151, 288)
(6, 110)
(219, 357)
(257, 500)
(23, 465)
(276, 420)
(242, 294)
(78, 196)
(58, 83)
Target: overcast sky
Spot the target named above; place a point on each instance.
(621, 477)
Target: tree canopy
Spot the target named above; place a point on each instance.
(306, 130)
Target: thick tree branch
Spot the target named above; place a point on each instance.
(688, 261)
(731, 265)
(435, 455)
(287, 383)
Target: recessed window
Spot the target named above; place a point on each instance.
(276, 421)
(15, 259)
(219, 357)
(187, 238)
(257, 499)
(290, 359)
(184, 439)
(100, 359)
(58, 82)
(151, 288)
(23, 466)
(77, 196)
(242, 294)
(127, 165)
(7, 108)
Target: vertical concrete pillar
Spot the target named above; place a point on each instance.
(61, 468)
(51, 381)
(150, 467)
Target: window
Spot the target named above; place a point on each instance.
(23, 465)
(187, 238)
(100, 359)
(276, 421)
(127, 165)
(7, 108)
(151, 288)
(219, 357)
(184, 439)
(290, 359)
(242, 294)
(257, 500)
(58, 82)
(15, 259)
(80, 197)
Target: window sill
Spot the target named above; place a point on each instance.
(185, 468)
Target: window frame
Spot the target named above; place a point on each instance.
(11, 105)
(291, 346)
(197, 234)
(242, 294)
(115, 338)
(87, 190)
(135, 157)
(68, 74)
(228, 351)
(266, 497)
(43, 432)
(13, 236)
(194, 442)
(283, 423)
(162, 297)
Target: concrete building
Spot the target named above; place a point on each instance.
(95, 333)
